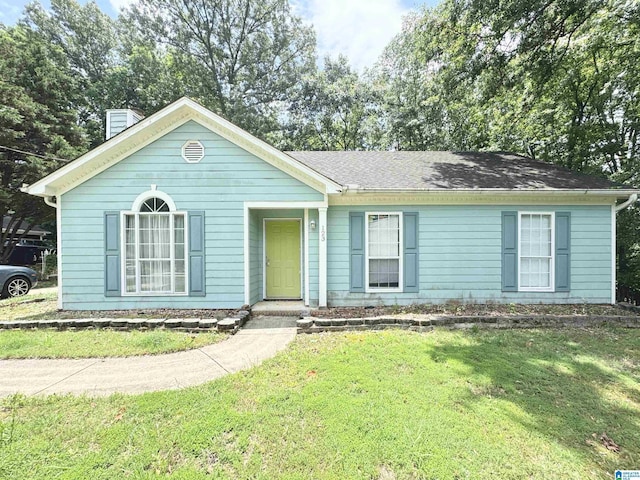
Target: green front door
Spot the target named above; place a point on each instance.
(282, 258)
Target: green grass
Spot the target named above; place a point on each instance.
(98, 343)
(37, 305)
(382, 405)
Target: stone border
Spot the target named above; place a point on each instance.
(229, 324)
(428, 322)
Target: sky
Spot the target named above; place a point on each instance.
(359, 29)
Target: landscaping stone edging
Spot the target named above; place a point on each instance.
(229, 324)
(428, 322)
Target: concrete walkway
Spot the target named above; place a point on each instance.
(104, 376)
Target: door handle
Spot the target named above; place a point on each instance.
(268, 263)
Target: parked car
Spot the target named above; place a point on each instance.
(24, 255)
(16, 281)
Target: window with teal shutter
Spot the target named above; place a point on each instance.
(154, 249)
(536, 251)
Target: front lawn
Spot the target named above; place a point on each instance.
(392, 404)
(98, 343)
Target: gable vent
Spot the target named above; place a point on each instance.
(193, 151)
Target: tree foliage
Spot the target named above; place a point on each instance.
(240, 58)
(334, 108)
(37, 115)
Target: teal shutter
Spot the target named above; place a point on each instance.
(356, 252)
(112, 254)
(196, 254)
(509, 251)
(411, 265)
(563, 251)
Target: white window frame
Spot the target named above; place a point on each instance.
(552, 273)
(400, 286)
(135, 211)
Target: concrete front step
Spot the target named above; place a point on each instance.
(280, 308)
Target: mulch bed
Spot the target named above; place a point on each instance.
(164, 313)
(461, 309)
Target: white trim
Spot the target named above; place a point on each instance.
(107, 131)
(59, 247)
(306, 257)
(322, 257)
(284, 205)
(149, 129)
(618, 193)
(123, 255)
(552, 267)
(400, 287)
(184, 146)
(478, 197)
(264, 255)
(247, 262)
(613, 254)
(144, 196)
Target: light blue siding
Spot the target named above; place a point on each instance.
(460, 256)
(218, 185)
(255, 270)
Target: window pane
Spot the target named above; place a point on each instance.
(154, 205)
(155, 276)
(180, 284)
(130, 275)
(384, 236)
(384, 250)
(179, 265)
(535, 251)
(148, 251)
(384, 273)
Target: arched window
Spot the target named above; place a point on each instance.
(155, 246)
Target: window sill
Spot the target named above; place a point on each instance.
(154, 294)
(383, 290)
(536, 290)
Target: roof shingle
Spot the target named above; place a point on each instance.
(431, 170)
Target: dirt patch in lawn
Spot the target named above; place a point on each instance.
(462, 309)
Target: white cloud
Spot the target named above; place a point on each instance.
(359, 29)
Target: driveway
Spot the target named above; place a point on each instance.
(104, 376)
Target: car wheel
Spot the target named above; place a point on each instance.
(16, 287)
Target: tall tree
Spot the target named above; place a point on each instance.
(241, 58)
(333, 109)
(89, 39)
(37, 116)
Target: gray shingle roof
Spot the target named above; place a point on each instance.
(446, 170)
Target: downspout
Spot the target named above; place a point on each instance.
(632, 199)
(51, 201)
